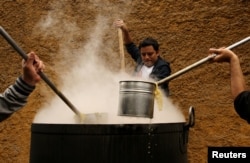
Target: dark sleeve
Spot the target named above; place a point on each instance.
(242, 105)
(165, 72)
(134, 51)
(162, 72)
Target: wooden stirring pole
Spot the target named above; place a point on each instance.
(20, 51)
(121, 48)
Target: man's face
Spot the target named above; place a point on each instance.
(149, 55)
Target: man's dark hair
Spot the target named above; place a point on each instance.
(149, 41)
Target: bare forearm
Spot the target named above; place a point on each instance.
(126, 36)
(237, 79)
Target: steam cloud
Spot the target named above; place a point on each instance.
(88, 81)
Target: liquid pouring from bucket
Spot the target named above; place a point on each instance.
(79, 116)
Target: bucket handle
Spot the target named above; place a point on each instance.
(191, 119)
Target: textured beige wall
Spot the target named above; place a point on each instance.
(185, 29)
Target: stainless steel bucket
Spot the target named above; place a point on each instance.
(136, 98)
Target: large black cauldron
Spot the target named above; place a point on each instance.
(105, 143)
